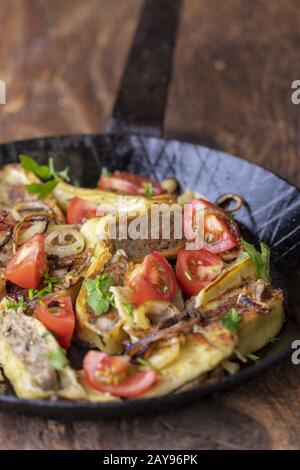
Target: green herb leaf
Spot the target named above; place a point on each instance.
(105, 172)
(261, 260)
(148, 189)
(35, 293)
(64, 174)
(42, 171)
(273, 340)
(47, 333)
(57, 359)
(41, 190)
(253, 357)
(52, 279)
(11, 304)
(129, 309)
(231, 320)
(98, 296)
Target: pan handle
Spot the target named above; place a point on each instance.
(143, 93)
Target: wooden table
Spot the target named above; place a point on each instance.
(234, 64)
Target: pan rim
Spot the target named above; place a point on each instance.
(160, 401)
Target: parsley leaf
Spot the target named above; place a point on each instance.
(231, 320)
(129, 309)
(42, 190)
(273, 340)
(98, 296)
(57, 359)
(148, 189)
(261, 260)
(11, 304)
(105, 172)
(48, 289)
(253, 357)
(42, 171)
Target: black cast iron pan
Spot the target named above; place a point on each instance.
(273, 212)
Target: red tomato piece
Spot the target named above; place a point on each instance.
(27, 266)
(220, 234)
(57, 314)
(79, 210)
(128, 183)
(195, 269)
(153, 279)
(111, 374)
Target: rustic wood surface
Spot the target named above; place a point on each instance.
(231, 87)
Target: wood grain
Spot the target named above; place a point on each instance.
(62, 62)
(234, 65)
(231, 88)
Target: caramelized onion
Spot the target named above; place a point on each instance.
(227, 198)
(8, 234)
(29, 207)
(63, 242)
(38, 223)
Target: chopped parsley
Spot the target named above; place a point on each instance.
(253, 357)
(44, 172)
(48, 289)
(129, 309)
(231, 320)
(273, 340)
(145, 363)
(47, 333)
(261, 260)
(57, 359)
(10, 304)
(148, 189)
(36, 293)
(98, 296)
(105, 172)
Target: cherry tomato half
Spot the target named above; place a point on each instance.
(220, 234)
(195, 269)
(112, 374)
(79, 210)
(27, 266)
(153, 279)
(127, 183)
(57, 314)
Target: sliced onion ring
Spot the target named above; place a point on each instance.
(38, 223)
(227, 198)
(8, 235)
(31, 207)
(63, 242)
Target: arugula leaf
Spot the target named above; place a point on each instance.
(41, 190)
(105, 172)
(148, 189)
(57, 359)
(231, 320)
(253, 357)
(98, 296)
(261, 260)
(129, 309)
